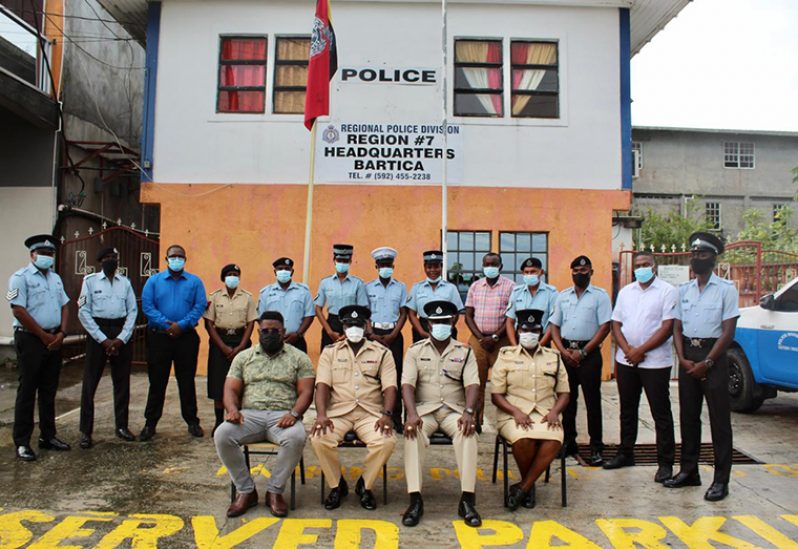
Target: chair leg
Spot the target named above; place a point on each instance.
(322, 488)
(506, 481)
(495, 458)
(548, 474)
(563, 486)
(232, 492)
(293, 489)
(302, 470)
(384, 484)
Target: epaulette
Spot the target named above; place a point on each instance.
(89, 276)
(216, 291)
(245, 292)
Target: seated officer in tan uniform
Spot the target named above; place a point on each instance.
(530, 390)
(355, 391)
(440, 388)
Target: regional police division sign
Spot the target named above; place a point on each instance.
(392, 153)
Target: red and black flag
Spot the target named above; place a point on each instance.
(322, 64)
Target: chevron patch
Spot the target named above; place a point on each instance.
(82, 300)
(11, 294)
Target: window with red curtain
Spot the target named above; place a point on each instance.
(536, 85)
(242, 74)
(478, 81)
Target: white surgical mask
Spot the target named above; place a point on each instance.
(386, 272)
(528, 340)
(354, 334)
(433, 280)
(231, 281)
(531, 280)
(283, 276)
(441, 332)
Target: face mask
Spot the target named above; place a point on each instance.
(109, 266)
(441, 332)
(284, 277)
(44, 262)
(528, 340)
(341, 267)
(581, 280)
(702, 266)
(491, 272)
(531, 280)
(433, 280)
(386, 272)
(271, 342)
(644, 274)
(176, 264)
(231, 282)
(354, 334)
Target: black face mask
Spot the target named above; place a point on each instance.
(271, 342)
(581, 280)
(702, 266)
(109, 266)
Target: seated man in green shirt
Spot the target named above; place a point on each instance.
(268, 389)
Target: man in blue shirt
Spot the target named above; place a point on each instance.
(173, 301)
(292, 300)
(38, 303)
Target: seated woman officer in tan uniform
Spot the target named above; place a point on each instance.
(530, 390)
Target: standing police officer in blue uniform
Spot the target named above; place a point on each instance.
(107, 309)
(290, 299)
(434, 288)
(173, 301)
(336, 291)
(706, 318)
(387, 297)
(533, 293)
(38, 303)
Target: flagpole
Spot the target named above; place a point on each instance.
(309, 212)
(444, 182)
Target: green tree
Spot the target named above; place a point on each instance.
(671, 229)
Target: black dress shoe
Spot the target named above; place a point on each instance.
(467, 509)
(664, 472)
(85, 441)
(516, 497)
(54, 444)
(147, 433)
(335, 496)
(683, 479)
(717, 491)
(414, 511)
(125, 434)
(25, 453)
(367, 499)
(620, 460)
(596, 459)
(529, 502)
(195, 430)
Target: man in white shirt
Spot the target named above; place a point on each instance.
(642, 324)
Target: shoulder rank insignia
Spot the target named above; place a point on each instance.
(11, 294)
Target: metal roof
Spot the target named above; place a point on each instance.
(714, 130)
(647, 17)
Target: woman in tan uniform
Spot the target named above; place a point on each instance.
(530, 390)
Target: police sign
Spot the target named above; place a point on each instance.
(382, 75)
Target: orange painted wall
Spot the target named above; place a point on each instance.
(54, 30)
(253, 224)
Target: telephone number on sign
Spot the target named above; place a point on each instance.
(403, 176)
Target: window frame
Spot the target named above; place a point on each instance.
(241, 62)
(708, 209)
(513, 274)
(477, 91)
(737, 155)
(527, 66)
(278, 63)
(477, 271)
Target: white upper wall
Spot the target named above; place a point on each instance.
(581, 149)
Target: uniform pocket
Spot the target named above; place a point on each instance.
(341, 374)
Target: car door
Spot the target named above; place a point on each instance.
(777, 337)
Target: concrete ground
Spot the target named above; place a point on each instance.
(171, 492)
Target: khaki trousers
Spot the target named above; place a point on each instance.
(380, 447)
(485, 361)
(465, 449)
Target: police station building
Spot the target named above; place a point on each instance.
(537, 141)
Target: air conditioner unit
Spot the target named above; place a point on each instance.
(635, 164)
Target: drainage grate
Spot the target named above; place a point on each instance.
(646, 454)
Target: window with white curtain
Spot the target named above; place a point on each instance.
(535, 79)
(478, 78)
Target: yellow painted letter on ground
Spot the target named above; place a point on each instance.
(766, 531)
(13, 534)
(206, 534)
(70, 527)
(645, 534)
(348, 533)
(292, 532)
(545, 531)
(503, 533)
(143, 531)
(704, 531)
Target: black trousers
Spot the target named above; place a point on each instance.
(93, 372)
(335, 324)
(691, 394)
(301, 344)
(39, 370)
(656, 383)
(162, 351)
(588, 376)
(397, 350)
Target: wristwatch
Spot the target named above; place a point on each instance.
(709, 362)
(387, 413)
(469, 411)
(494, 337)
(295, 415)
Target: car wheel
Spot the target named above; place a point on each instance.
(742, 387)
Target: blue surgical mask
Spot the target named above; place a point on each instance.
(433, 280)
(386, 272)
(644, 274)
(176, 264)
(441, 332)
(490, 272)
(44, 262)
(531, 280)
(231, 282)
(341, 267)
(283, 277)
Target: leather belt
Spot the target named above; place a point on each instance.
(114, 322)
(230, 331)
(384, 325)
(52, 331)
(574, 344)
(699, 342)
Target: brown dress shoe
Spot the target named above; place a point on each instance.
(276, 504)
(242, 503)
